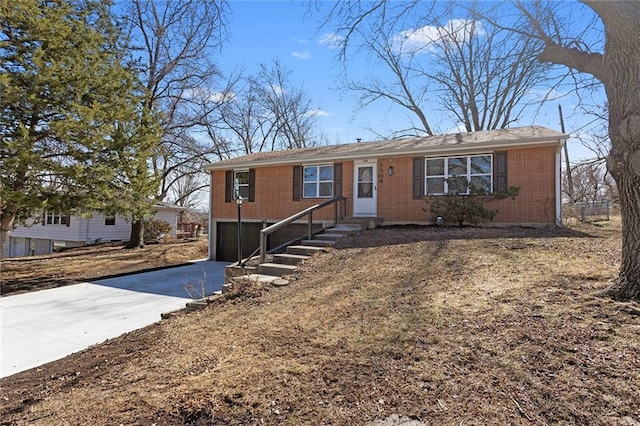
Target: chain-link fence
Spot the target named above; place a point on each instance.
(592, 211)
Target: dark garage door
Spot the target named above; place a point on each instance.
(227, 238)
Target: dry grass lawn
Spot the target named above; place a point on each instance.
(439, 326)
(25, 274)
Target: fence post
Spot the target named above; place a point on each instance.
(582, 213)
(607, 203)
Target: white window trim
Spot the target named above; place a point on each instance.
(50, 218)
(318, 182)
(236, 185)
(446, 175)
(108, 217)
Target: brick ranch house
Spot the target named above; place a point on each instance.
(386, 181)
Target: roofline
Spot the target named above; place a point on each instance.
(544, 141)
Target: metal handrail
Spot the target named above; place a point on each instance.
(308, 211)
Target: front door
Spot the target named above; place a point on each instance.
(365, 189)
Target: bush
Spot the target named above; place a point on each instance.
(156, 230)
(466, 207)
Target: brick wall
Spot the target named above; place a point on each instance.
(531, 169)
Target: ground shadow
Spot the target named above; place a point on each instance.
(191, 281)
(405, 234)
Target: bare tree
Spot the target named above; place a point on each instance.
(173, 43)
(186, 190)
(617, 67)
(261, 112)
(591, 182)
(433, 55)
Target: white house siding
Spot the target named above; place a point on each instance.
(170, 216)
(51, 232)
(42, 239)
(95, 230)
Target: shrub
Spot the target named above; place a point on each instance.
(156, 230)
(466, 207)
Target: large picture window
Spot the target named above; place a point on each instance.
(477, 169)
(317, 181)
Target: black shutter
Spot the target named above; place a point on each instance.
(228, 186)
(337, 179)
(252, 184)
(500, 172)
(297, 177)
(418, 177)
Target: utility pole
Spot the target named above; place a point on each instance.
(566, 158)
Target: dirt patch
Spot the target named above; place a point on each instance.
(397, 326)
(25, 274)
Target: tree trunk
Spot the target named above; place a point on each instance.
(622, 84)
(136, 240)
(619, 70)
(7, 218)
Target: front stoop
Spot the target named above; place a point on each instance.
(289, 258)
(284, 264)
(275, 269)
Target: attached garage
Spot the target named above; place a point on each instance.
(227, 238)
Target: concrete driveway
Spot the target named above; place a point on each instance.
(43, 326)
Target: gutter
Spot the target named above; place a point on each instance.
(372, 154)
(558, 179)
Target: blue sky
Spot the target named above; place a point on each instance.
(263, 31)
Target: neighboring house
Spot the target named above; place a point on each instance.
(387, 181)
(56, 231)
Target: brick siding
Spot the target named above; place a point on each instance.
(531, 169)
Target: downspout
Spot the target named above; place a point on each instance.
(211, 249)
(558, 173)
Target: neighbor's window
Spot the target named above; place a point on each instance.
(241, 184)
(110, 220)
(477, 169)
(317, 181)
(53, 218)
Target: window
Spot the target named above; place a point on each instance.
(110, 220)
(241, 184)
(477, 169)
(317, 181)
(53, 218)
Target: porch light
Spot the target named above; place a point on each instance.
(390, 170)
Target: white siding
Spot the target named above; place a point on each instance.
(80, 231)
(170, 216)
(52, 232)
(95, 229)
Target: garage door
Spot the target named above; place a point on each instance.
(227, 238)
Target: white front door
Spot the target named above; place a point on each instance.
(365, 188)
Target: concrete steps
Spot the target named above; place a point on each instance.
(289, 258)
(282, 265)
(275, 269)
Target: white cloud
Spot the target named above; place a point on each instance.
(425, 39)
(331, 40)
(545, 94)
(318, 113)
(301, 55)
(201, 93)
(300, 40)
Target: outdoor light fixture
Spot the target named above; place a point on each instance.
(390, 170)
(239, 202)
